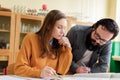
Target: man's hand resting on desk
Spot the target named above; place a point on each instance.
(82, 69)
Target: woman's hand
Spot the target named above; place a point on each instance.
(48, 72)
(64, 41)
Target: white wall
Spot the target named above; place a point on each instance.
(117, 17)
(84, 10)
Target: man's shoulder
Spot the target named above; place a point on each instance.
(80, 27)
(79, 30)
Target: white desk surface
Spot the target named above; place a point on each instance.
(92, 76)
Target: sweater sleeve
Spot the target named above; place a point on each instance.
(103, 60)
(65, 60)
(22, 65)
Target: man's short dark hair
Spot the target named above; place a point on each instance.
(109, 24)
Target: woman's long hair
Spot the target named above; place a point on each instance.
(46, 31)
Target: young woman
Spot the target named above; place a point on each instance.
(46, 52)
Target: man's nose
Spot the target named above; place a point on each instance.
(98, 41)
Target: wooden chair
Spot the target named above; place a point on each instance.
(10, 69)
(5, 56)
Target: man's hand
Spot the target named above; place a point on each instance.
(82, 69)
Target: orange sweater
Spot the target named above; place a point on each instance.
(30, 64)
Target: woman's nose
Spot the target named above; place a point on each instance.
(62, 31)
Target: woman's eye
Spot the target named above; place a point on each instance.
(59, 27)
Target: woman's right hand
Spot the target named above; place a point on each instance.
(64, 41)
(47, 72)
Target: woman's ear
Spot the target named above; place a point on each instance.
(48, 28)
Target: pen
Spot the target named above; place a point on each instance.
(83, 64)
(58, 76)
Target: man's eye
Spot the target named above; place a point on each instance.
(97, 37)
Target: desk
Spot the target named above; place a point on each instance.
(90, 76)
(116, 58)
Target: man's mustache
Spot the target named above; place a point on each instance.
(94, 41)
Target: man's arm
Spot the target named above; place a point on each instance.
(72, 37)
(73, 67)
(104, 59)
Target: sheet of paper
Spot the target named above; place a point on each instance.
(84, 78)
(14, 77)
(98, 75)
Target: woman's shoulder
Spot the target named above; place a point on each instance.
(31, 36)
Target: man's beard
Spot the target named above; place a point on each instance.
(90, 43)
